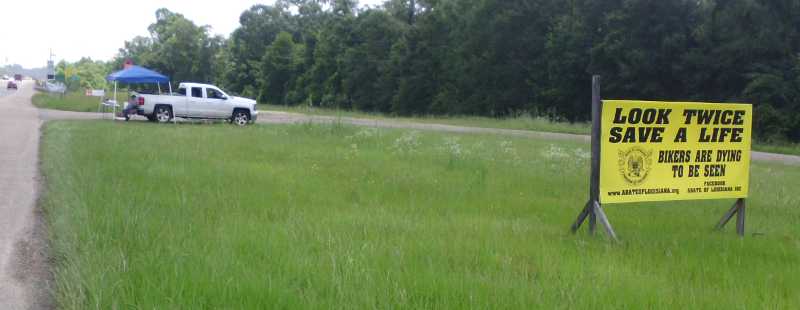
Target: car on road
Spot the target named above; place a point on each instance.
(199, 101)
(11, 85)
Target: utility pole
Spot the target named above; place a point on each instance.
(51, 69)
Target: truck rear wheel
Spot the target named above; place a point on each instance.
(163, 113)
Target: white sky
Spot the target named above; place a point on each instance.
(98, 28)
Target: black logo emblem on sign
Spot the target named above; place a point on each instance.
(634, 165)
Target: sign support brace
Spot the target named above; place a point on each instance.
(593, 209)
(737, 209)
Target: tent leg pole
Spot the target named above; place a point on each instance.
(114, 113)
(174, 120)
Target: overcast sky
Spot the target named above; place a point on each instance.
(98, 28)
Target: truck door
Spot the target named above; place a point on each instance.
(216, 104)
(195, 104)
(179, 105)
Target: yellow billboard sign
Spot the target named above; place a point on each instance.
(658, 151)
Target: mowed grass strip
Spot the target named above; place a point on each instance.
(78, 102)
(523, 121)
(520, 122)
(331, 216)
(73, 101)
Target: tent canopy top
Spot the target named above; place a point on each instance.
(136, 74)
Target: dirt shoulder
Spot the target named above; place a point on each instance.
(25, 276)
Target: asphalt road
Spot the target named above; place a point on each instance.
(24, 278)
(3, 90)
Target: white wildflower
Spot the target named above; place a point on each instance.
(507, 147)
(365, 133)
(582, 155)
(452, 147)
(555, 152)
(408, 143)
(351, 152)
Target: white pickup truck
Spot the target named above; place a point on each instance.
(194, 100)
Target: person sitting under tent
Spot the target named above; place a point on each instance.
(130, 108)
(135, 89)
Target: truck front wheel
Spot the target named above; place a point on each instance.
(163, 114)
(240, 117)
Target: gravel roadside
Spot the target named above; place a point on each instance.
(25, 278)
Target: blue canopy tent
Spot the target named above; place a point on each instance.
(136, 74)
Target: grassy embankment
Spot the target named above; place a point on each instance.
(518, 123)
(80, 103)
(778, 147)
(332, 216)
(72, 101)
(524, 122)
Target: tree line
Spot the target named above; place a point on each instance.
(495, 58)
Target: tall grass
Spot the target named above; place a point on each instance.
(333, 216)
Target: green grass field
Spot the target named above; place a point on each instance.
(71, 101)
(524, 122)
(780, 148)
(331, 216)
(78, 102)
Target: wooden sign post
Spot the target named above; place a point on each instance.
(664, 151)
(593, 209)
(738, 209)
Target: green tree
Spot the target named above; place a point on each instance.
(259, 26)
(495, 58)
(277, 70)
(365, 68)
(176, 47)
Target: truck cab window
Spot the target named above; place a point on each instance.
(197, 92)
(181, 91)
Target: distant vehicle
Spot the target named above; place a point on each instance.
(5, 77)
(17, 77)
(11, 85)
(194, 100)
